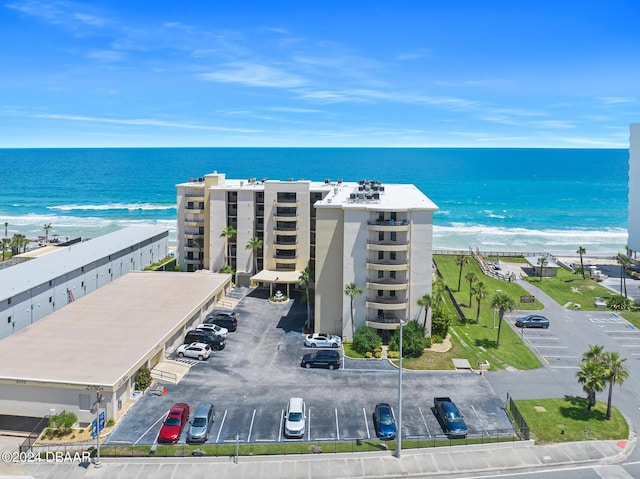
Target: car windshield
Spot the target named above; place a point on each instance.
(295, 416)
(385, 417)
(172, 421)
(454, 416)
(199, 422)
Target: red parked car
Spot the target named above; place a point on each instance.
(174, 424)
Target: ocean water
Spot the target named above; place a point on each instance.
(493, 199)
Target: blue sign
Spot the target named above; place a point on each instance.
(94, 433)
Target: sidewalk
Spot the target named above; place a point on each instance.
(455, 461)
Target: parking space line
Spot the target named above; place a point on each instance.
(251, 427)
(567, 357)
(265, 440)
(627, 331)
(281, 425)
(626, 338)
(364, 413)
(309, 429)
(151, 427)
(224, 416)
(480, 420)
(424, 421)
(630, 345)
(337, 428)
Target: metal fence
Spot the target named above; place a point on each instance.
(27, 444)
(519, 423)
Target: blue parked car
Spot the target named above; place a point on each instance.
(532, 321)
(384, 421)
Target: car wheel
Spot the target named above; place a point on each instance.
(201, 357)
(313, 345)
(332, 367)
(334, 345)
(546, 326)
(308, 365)
(181, 355)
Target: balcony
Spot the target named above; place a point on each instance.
(387, 265)
(388, 321)
(286, 231)
(194, 195)
(286, 203)
(386, 303)
(387, 284)
(387, 245)
(195, 222)
(287, 246)
(288, 217)
(285, 259)
(388, 225)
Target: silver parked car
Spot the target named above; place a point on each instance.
(322, 340)
(199, 351)
(201, 425)
(215, 329)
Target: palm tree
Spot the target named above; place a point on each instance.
(228, 233)
(503, 303)
(18, 242)
(480, 292)
(425, 302)
(542, 262)
(595, 353)
(6, 243)
(438, 289)
(623, 261)
(462, 261)
(6, 229)
(615, 372)
(47, 227)
(591, 376)
(255, 244)
(352, 291)
(305, 279)
(471, 277)
(581, 251)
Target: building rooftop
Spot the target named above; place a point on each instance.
(26, 275)
(98, 338)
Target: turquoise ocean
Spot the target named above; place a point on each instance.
(521, 200)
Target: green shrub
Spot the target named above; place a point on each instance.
(440, 324)
(111, 422)
(394, 354)
(366, 340)
(62, 423)
(436, 339)
(143, 379)
(413, 340)
(368, 355)
(377, 354)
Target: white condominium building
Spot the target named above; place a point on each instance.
(378, 236)
(634, 190)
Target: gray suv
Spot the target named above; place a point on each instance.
(201, 424)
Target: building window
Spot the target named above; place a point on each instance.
(380, 274)
(393, 215)
(82, 284)
(392, 294)
(9, 301)
(9, 320)
(394, 236)
(392, 255)
(50, 299)
(381, 215)
(201, 205)
(84, 402)
(392, 274)
(50, 283)
(200, 230)
(380, 235)
(380, 293)
(380, 254)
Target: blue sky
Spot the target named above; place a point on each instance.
(319, 73)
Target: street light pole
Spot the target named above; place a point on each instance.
(96, 408)
(399, 431)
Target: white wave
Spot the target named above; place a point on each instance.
(606, 241)
(113, 206)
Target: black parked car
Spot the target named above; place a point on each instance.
(202, 336)
(224, 319)
(324, 358)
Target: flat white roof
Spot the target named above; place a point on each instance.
(26, 275)
(394, 197)
(97, 339)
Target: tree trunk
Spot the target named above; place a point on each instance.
(608, 415)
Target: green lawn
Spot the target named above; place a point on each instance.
(478, 341)
(564, 420)
(570, 288)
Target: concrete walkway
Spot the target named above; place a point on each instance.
(444, 461)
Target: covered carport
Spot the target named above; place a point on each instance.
(277, 277)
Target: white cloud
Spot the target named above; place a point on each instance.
(611, 100)
(106, 56)
(256, 75)
(69, 14)
(557, 124)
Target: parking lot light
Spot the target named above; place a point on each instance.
(399, 431)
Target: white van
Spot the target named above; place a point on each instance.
(295, 418)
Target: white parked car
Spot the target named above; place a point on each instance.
(215, 329)
(321, 340)
(199, 351)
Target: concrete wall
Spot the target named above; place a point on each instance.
(218, 222)
(354, 268)
(420, 260)
(329, 271)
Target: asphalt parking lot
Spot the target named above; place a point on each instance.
(251, 380)
(570, 334)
